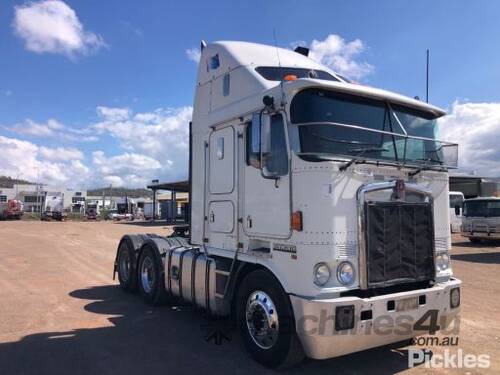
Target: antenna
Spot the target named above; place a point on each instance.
(279, 64)
(276, 45)
(427, 79)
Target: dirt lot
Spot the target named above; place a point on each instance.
(61, 312)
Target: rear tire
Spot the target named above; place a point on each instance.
(151, 277)
(126, 261)
(266, 322)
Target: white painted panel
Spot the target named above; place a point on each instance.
(222, 161)
(266, 204)
(221, 216)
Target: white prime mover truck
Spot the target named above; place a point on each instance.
(318, 207)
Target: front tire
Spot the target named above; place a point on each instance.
(474, 240)
(266, 321)
(150, 277)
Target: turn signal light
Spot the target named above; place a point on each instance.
(297, 221)
(290, 77)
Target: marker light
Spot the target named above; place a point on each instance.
(455, 298)
(290, 77)
(297, 221)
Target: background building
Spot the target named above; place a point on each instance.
(33, 196)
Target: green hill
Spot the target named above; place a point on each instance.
(120, 192)
(8, 182)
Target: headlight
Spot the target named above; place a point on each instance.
(321, 274)
(442, 261)
(345, 273)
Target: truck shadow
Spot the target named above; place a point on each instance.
(484, 244)
(485, 258)
(145, 223)
(167, 339)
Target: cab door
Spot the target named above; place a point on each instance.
(220, 220)
(266, 187)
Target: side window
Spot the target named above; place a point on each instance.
(253, 141)
(226, 85)
(276, 161)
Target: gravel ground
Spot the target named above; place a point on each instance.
(61, 312)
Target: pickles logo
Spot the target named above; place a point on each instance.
(448, 359)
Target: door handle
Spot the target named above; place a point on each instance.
(212, 217)
(249, 221)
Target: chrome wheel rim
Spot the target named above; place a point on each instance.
(147, 274)
(262, 319)
(124, 265)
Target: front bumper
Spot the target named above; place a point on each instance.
(315, 320)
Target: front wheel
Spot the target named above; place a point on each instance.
(266, 322)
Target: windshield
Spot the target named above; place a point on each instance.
(482, 208)
(340, 124)
(456, 200)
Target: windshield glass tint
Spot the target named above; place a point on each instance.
(320, 106)
(482, 208)
(456, 200)
(275, 73)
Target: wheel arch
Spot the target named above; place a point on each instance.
(243, 269)
(134, 241)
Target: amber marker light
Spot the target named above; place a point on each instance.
(297, 221)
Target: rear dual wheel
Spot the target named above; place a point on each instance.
(150, 277)
(126, 261)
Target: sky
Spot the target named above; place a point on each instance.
(94, 93)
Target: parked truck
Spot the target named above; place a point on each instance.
(318, 207)
(481, 219)
(456, 210)
(53, 208)
(12, 209)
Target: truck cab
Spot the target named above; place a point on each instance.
(313, 198)
(456, 210)
(481, 219)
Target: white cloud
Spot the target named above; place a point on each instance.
(113, 114)
(60, 153)
(128, 169)
(476, 128)
(340, 55)
(53, 129)
(125, 163)
(51, 26)
(193, 54)
(153, 145)
(31, 162)
(161, 134)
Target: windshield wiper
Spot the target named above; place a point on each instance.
(360, 151)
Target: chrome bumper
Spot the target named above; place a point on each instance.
(315, 320)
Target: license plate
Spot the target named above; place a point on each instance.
(407, 304)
